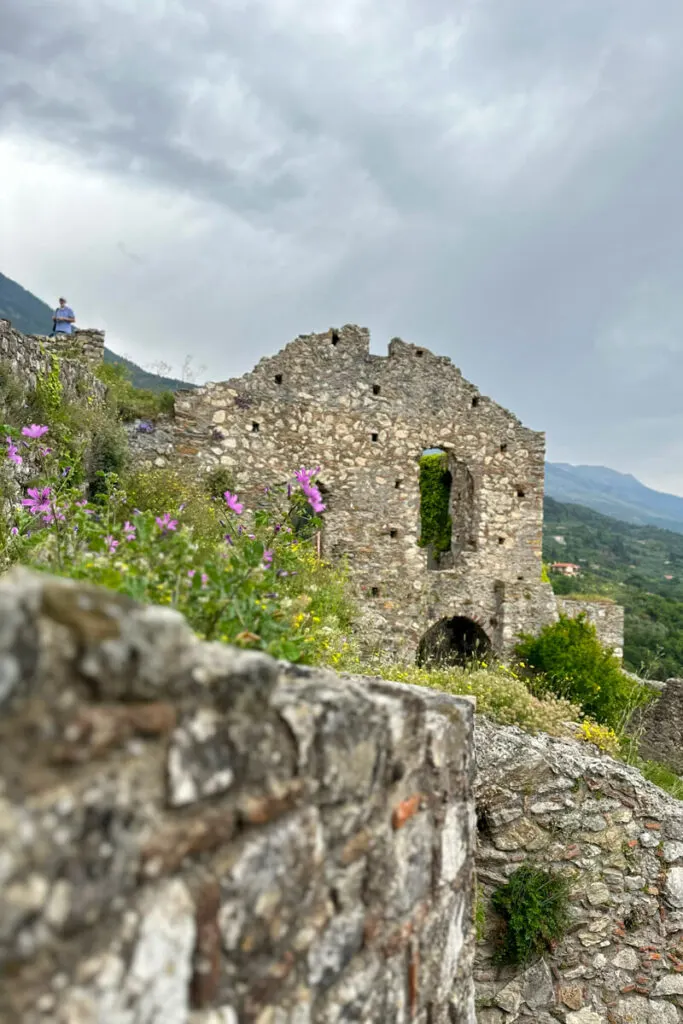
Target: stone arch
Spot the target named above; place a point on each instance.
(457, 640)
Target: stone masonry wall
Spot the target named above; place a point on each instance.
(608, 619)
(366, 420)
(190, 834)
(86, 345)
(30, 355)
(620, 840)
(660, 726)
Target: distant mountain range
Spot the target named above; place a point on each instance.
(31, 315)
(614, 494)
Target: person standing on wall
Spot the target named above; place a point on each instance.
(63, 319)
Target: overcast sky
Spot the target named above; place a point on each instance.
(498, 180)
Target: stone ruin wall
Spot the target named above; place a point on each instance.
(366, 420)
(608, 619)
(619, 840)
(191, 834)
(30, 356)
(659, 726)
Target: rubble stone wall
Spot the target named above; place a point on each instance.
(620, 840)
(30, 355)
(608, 619)
(660, 726)
(366, 420)
(191, 834)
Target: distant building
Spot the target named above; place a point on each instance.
(566, 568)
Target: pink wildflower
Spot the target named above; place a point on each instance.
(129, 530)
(34, 431)
(13, 453)
(111, 544)
(231, 501)
(267, 557)
(165, 523)
(38, 501)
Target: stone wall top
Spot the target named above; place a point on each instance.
(193, 834)
(336, 368)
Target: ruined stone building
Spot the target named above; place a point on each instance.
(367, 420)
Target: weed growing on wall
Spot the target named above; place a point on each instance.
(534, 906)
(436, 527)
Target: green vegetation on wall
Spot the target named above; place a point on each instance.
(436, 526)
(534, 906)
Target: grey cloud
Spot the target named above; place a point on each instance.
(499, 179)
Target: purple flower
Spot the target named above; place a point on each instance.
(54, 515)
(267, 557)
(191, 572)
(231, 501)
(144, 427)
(314, 497)
(38, 502)
(13, 453)
(34, 431)
(228, 539)
(129, 530)
(111, 544)
(165, 523)
(205, 579)
(14, 532)
(303, 476)
(82, 504)
(281, 572)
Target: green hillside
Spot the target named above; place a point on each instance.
(31, 315)
(632, 565)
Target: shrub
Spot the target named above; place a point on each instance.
(107, 453)
(218, 481)
(131, 403)
(159, 489)
(567, 659)
(534, 906)
(499, 693)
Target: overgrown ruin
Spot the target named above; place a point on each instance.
(368, 421)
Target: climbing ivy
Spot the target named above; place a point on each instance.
(435, 504)
(48, 391)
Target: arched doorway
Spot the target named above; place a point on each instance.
(455, 641)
